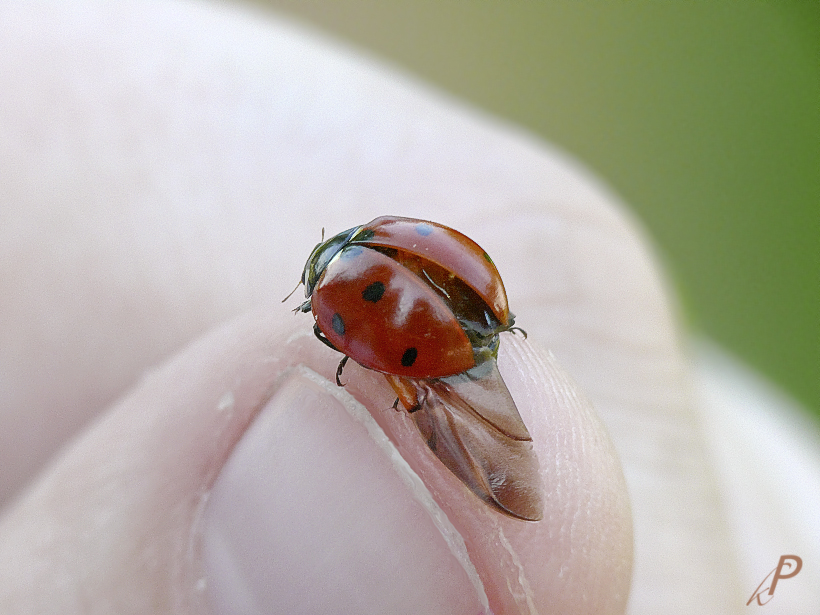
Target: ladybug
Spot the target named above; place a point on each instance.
(424, 305)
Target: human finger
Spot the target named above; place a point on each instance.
(240, 478)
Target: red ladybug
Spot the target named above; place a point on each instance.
(424, 305)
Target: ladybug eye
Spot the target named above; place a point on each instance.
(409, 357)
(373, 292)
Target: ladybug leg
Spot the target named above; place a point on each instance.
(339, 370)
(407, 391)
(420, 399)
(419, 403)
(395, 407)
(321, 337)
(303, 308)
(514, 329)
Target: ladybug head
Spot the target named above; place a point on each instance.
(319, 259)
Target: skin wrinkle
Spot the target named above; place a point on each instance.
(575, 441)
(568, 441)
(193, 560)
(523, 594)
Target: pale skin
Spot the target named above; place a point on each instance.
(166, 184)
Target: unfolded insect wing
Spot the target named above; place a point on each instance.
(500, 469)
(482, 389)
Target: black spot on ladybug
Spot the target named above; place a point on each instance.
(424, 229)
(338, 324)
(373, 292)
(409, 357)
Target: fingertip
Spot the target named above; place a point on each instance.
(322, 498)
(580, 555)
(578, 558)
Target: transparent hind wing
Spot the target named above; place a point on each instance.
(500, 469)
(484, 391)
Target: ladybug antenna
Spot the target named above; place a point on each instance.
(323, 234)
(291, 292)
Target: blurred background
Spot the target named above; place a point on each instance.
(703, 116)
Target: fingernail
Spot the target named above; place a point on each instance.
(314, 512)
